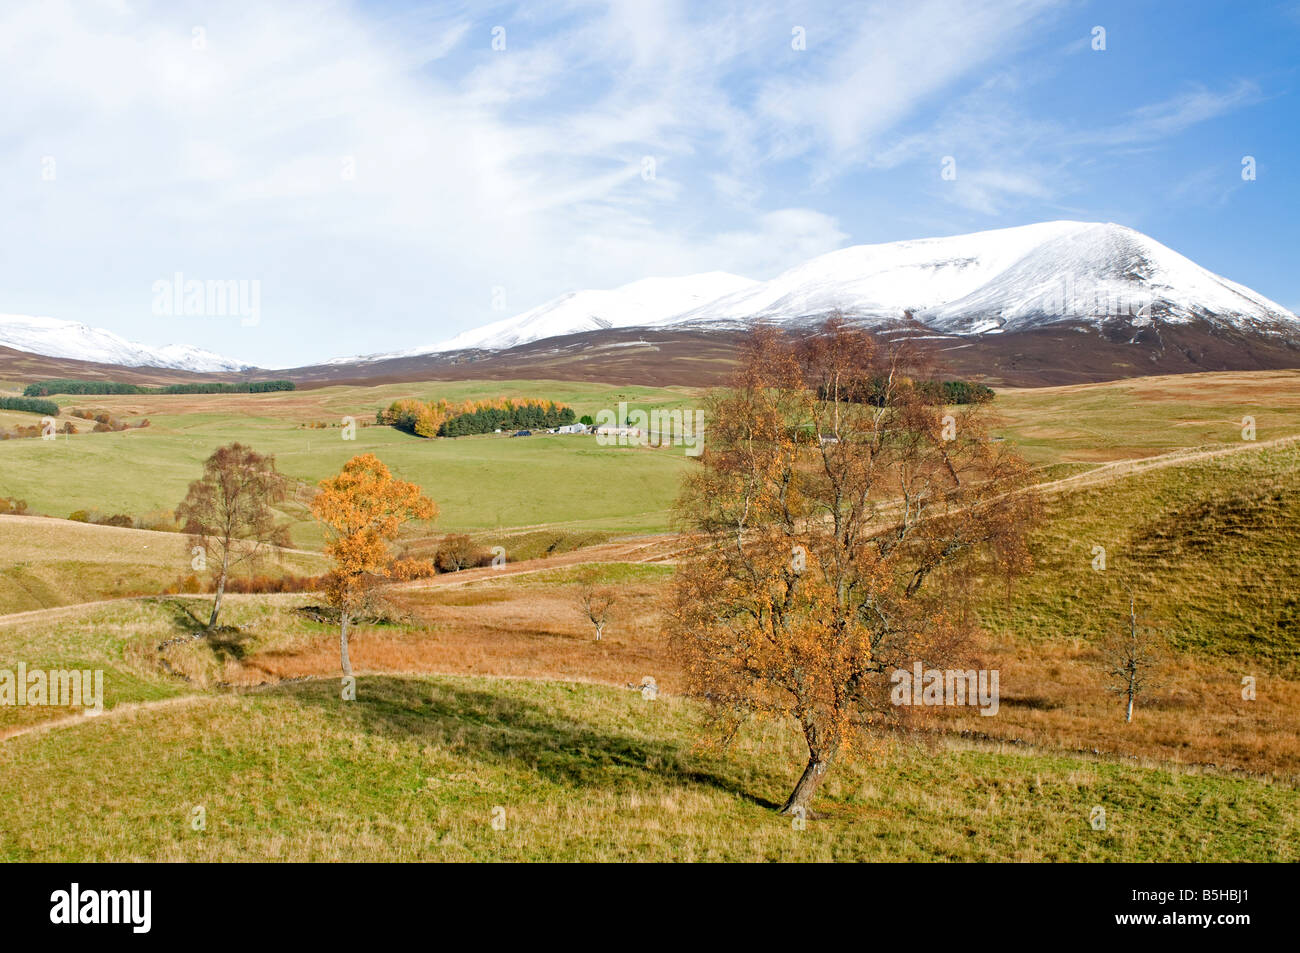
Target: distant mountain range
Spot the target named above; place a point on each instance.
(69, 339)
(1003, 296)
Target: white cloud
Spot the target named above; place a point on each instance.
(477, 169)
(229, 159)
(872, 72)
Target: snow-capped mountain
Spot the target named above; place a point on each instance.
(1061, 275)
(70, 339)
(985, 282)
(645, 303)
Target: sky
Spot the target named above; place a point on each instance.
(391, 173)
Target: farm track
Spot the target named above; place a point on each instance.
(34, 615)
(1117, 469)
(117, 711)
(662, 549)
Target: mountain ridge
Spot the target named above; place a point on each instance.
(1016, 278)
(54, 337)
(1032, 282)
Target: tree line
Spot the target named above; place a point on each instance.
(79, 387)
(30, 405)
(444, 419)
(875, 389)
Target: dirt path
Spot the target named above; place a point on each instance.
(54, 612)
(161, 536)
(117, 711)
(33, 615)
(1122, 468)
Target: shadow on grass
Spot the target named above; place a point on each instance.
(511, 731)
(226, 641)
(183, 615)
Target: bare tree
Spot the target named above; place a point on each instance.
(227, 512)
(597, 603)
(1131, 658)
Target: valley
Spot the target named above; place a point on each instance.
(484, 687)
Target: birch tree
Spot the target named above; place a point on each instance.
(837, 513)
(362, 509)
(228, 513)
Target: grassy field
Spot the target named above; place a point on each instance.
(480, 483)
(494, 483)
(417, 768)
(1086, 424)
(1209, 547)
(486, 689)
(48, 562)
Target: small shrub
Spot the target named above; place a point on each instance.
(457, 551)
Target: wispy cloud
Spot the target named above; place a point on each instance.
(1170, 117)
(880, 67)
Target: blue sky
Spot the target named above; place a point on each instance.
(391, 179)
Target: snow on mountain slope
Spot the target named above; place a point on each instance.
(983, 282)
(1009, 279)
(644, 303)
(884, 280)
(69, 339)
(1096, 272)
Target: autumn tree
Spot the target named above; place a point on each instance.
(362, 509)
(1131, 658)
(228, 512)
(837, 515)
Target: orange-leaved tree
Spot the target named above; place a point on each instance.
(838, 514)
(363, 509)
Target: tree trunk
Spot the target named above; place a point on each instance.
(809, 782)
(599, 627)
(221, 590)
(1128, 716)
(343, 644)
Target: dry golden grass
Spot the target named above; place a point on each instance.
(1053, 694)
(500, 627)
(1098, 423)
(52, 562)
